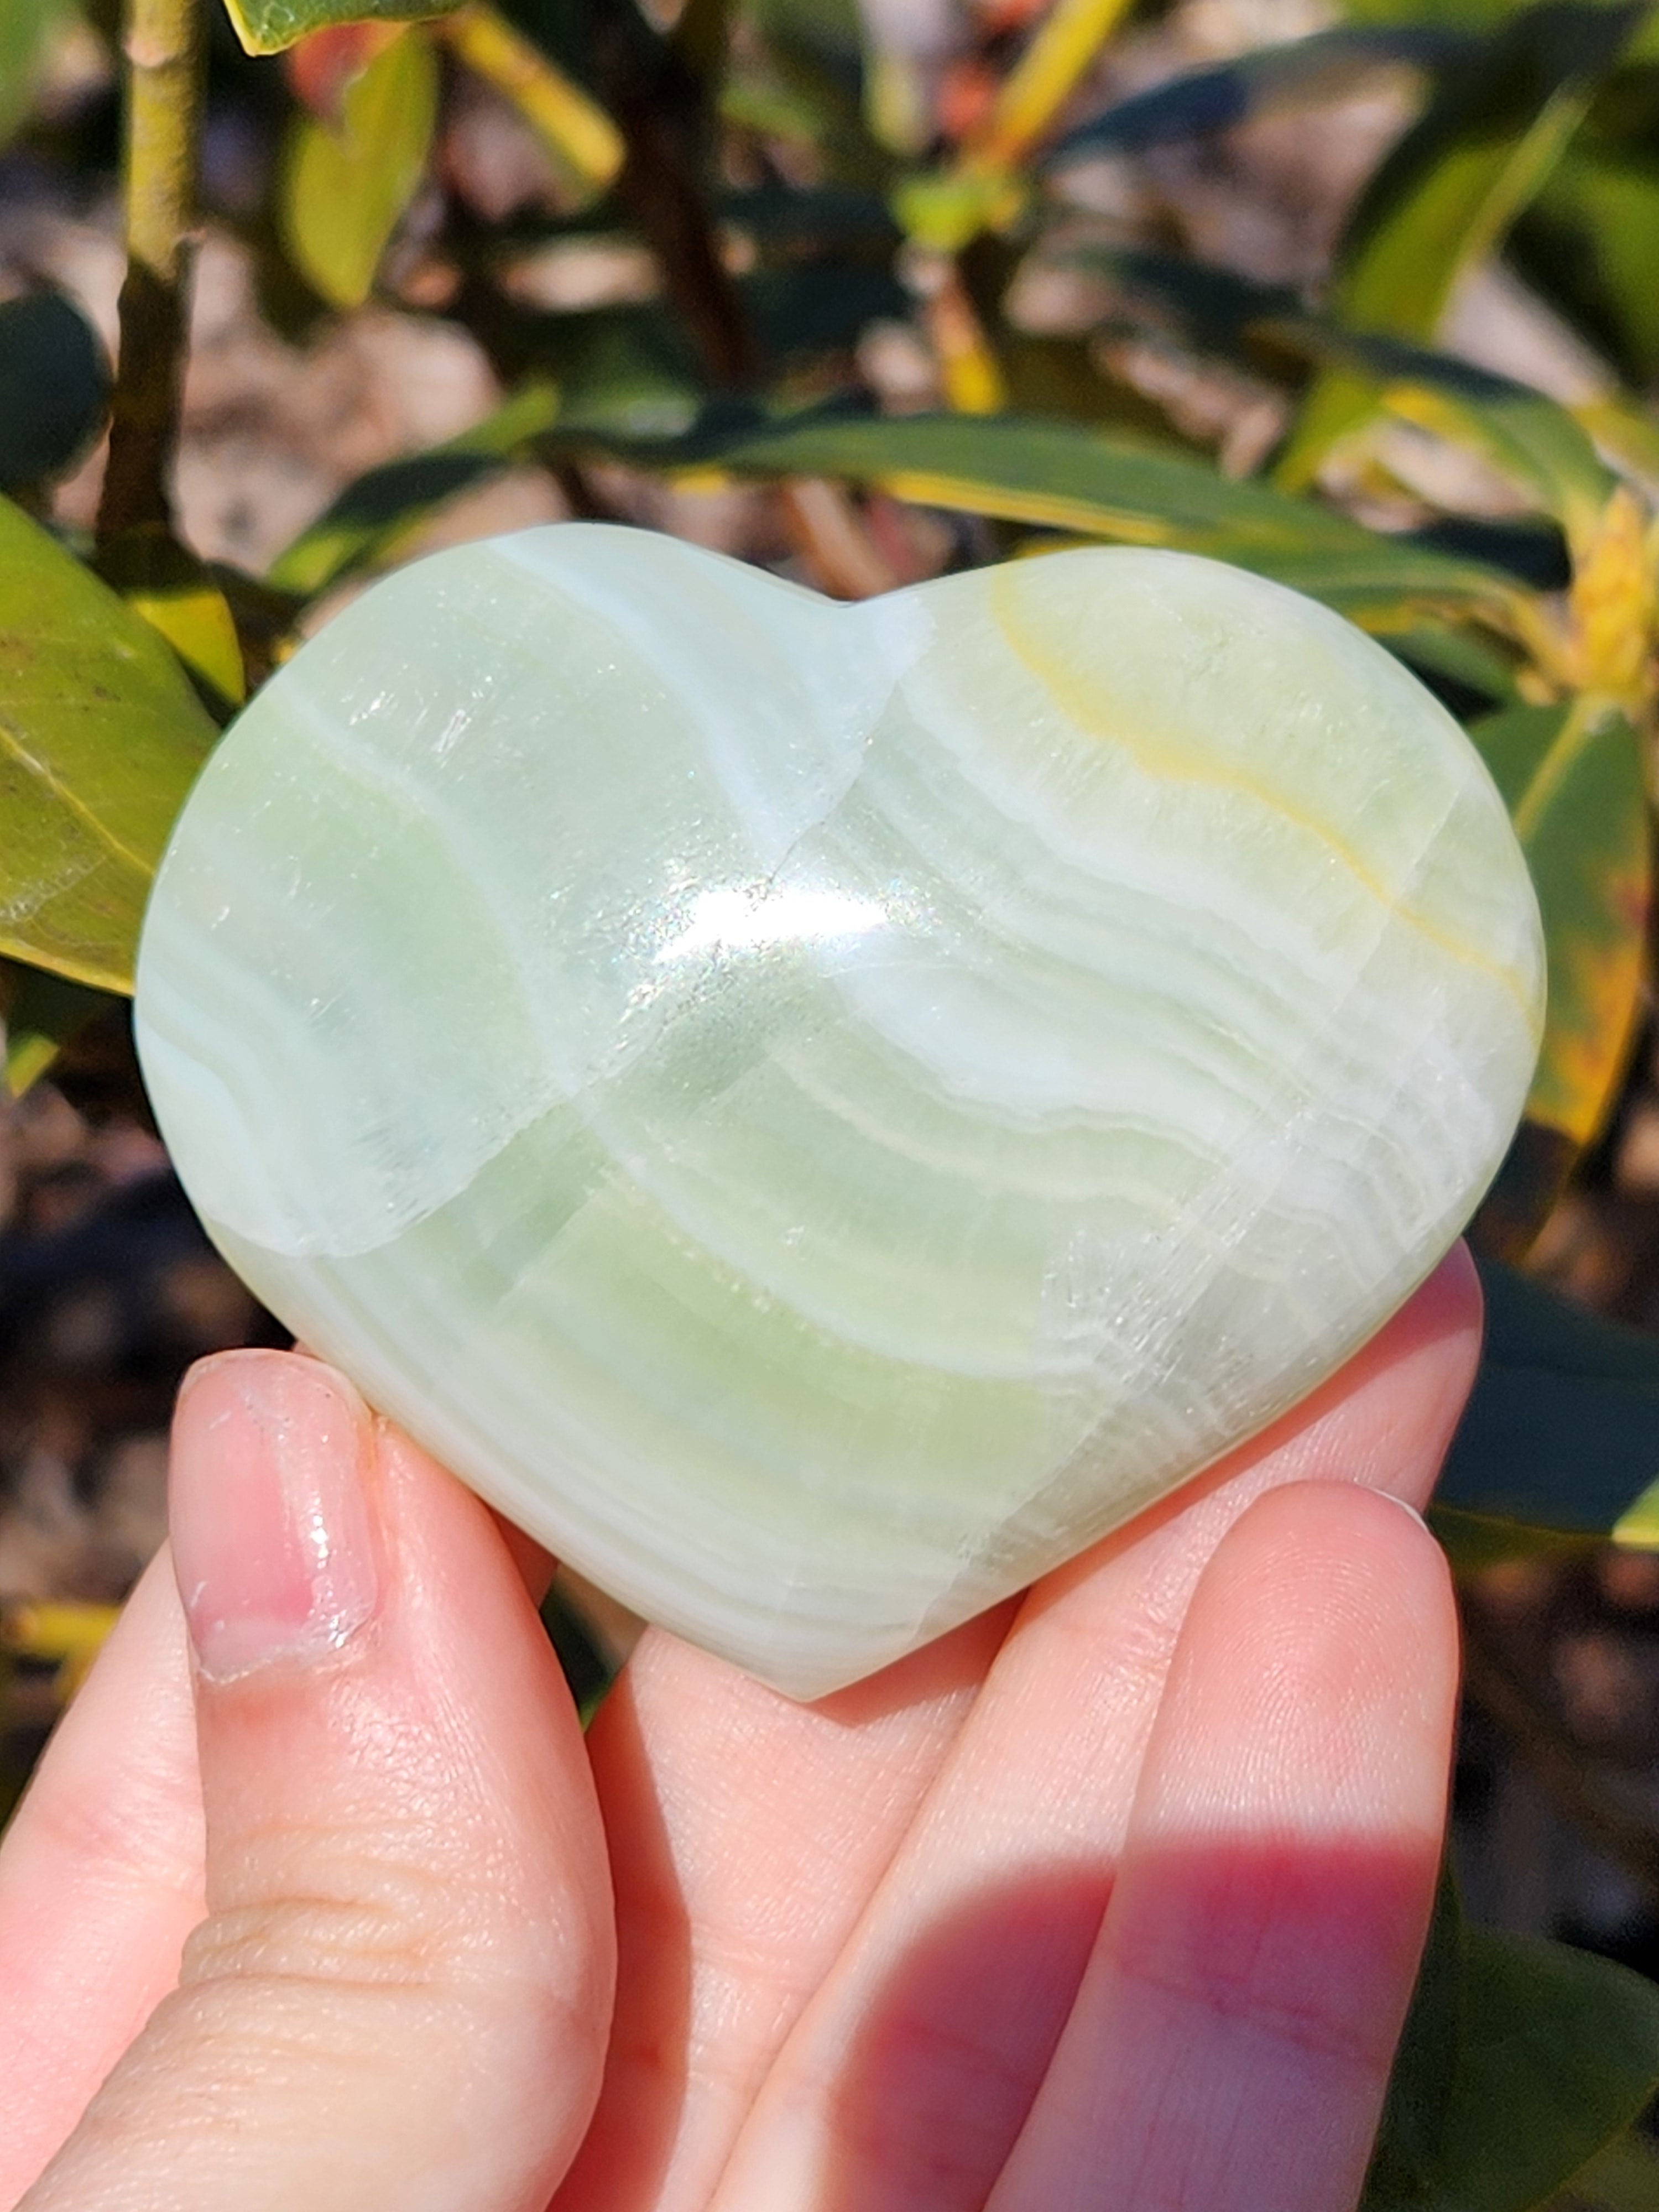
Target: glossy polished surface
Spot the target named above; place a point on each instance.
(819, 1112)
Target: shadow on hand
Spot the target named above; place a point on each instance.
(1261, 1987)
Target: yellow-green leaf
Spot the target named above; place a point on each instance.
(1066, 478)
(100, 736)
(160, 580)
(1571, 776)
(1449, 191)
(25, 27)
(266, 26)
(1543, 449)
(345, 190)
(40, 1013)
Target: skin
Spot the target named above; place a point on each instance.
(1111, 1897)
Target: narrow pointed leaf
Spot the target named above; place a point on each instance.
(370, 514)
(100, 736)
(1449, 191)
(1073, 479)
(1527, 437)
(1325, 65)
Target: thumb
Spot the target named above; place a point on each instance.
(401, 1993)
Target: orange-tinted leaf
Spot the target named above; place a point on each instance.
(1572, 778)
(320, 67)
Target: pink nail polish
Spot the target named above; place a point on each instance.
(272, 1539)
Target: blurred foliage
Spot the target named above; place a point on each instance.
(802, 182)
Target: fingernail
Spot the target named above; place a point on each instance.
(272, 1540)
(1404, 1503)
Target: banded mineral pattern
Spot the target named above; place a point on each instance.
(819, 1112)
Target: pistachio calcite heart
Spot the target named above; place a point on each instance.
(819, 1112)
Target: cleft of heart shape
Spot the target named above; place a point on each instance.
(820, 1112)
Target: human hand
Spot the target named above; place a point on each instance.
(1110, 1900)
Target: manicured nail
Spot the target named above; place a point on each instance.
(272, 1540)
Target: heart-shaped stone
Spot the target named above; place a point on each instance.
(819, 1112)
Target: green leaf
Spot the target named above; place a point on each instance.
(1522, 2059)
(40, 1013)
(1073, 479)
(1415, 2111)
(1449, 191)
(1624, 2177)
(266, 26)
(345, 190)
(368, 518)
(1561, 1433)
(820, 306)
(817, 217)
(1590, 244)
(54, 387)
(26, 25)
(1529, 438)
(1322, 66)
(100, 736)
(160, 580)
(1436, 649)
(1572, 778)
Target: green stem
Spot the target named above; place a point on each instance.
(164, 47)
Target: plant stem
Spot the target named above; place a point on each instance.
(163, 44)
(658, 102)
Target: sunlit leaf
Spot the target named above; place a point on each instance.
(1561, 1434)
(586, 145)
(370, 515)
(54, 386)
(1325, 65)
(266, 26)
(1548, 2055)
(1527, 437)
(174, 593)
(345, 190)
(1059, 50)
(101, 735)
(1079, 481)
(1572, 778)
(1449, 191)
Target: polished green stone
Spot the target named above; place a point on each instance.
(819, 1112)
